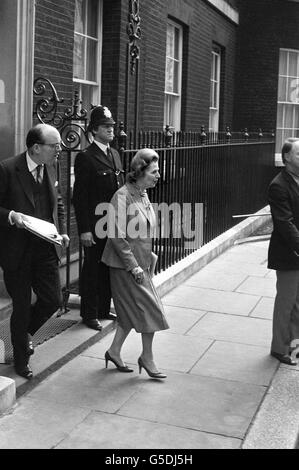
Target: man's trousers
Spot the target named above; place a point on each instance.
(286, 312)
(95, 288)
(38, 271)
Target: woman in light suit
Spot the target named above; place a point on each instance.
(128, 253)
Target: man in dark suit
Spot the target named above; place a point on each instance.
(283, 254)
(28, 186)
(98, 174)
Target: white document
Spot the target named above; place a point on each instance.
(42, 229)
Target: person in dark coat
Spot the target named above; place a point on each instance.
(98, 174)
(283, 255)
(29, 187)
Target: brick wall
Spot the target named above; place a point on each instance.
(265, 26)
(201, 26)
(111, 55)
(54, 39)
(206, 27)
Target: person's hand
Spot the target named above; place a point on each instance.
(138, 274)
(87, 239)
(65, 240)
(17, 218)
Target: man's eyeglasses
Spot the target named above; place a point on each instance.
(53, 146)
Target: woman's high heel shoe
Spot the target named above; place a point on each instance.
(153, 375)
(119, 367)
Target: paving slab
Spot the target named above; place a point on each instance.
(173, 352)
(271, 274)
(181, 319)
(264, 308)
(128, 433)
(212, 300)
(238, 255)
(261, 247)
(202, 403)
(220, 375)
(55, 352)
(88, 385)
(214, 279)
(236, 361)
(246, 330)
(231, 266)
(36, 424)
(257, 286)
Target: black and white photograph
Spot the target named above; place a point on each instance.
(149, 228)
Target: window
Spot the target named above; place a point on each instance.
(215, 90)
(173, 76)
(87, 50)
(288, 97)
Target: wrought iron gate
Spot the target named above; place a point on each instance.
(71, 122)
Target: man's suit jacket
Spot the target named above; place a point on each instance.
(96, 180)
(284, 203)
(132, 217)
(16, 193)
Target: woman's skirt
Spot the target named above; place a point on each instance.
(137, 306)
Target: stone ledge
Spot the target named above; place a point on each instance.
(7, 394)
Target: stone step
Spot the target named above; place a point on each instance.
(7, 393)
(5, 308)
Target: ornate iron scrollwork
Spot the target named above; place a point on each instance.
(134, 33)
(72, 131)
(71, 123)
(46, 108)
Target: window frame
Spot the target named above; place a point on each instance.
(175, 97)
(283, 130)
(215, 85)
(95, 85)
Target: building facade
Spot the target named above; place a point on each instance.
(215, 63)
(267, 67)
(178, 63)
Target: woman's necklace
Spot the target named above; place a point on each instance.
(143, 195)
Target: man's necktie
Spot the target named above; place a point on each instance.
(39, 178)
(110, 156)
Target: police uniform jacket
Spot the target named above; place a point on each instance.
(96, 179)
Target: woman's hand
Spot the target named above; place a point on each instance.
(138, 274)
(87, 239)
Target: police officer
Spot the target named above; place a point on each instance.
(98, 174)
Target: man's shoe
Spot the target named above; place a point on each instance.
(30, 348)
(284, 358)
(25, 372)
(93, 323)
(108, 316)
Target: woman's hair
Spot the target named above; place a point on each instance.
(140, 162)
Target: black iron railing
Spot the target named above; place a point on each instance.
(206, 177)
(168, 138)
(203, 185)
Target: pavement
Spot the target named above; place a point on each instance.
(223, 390)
